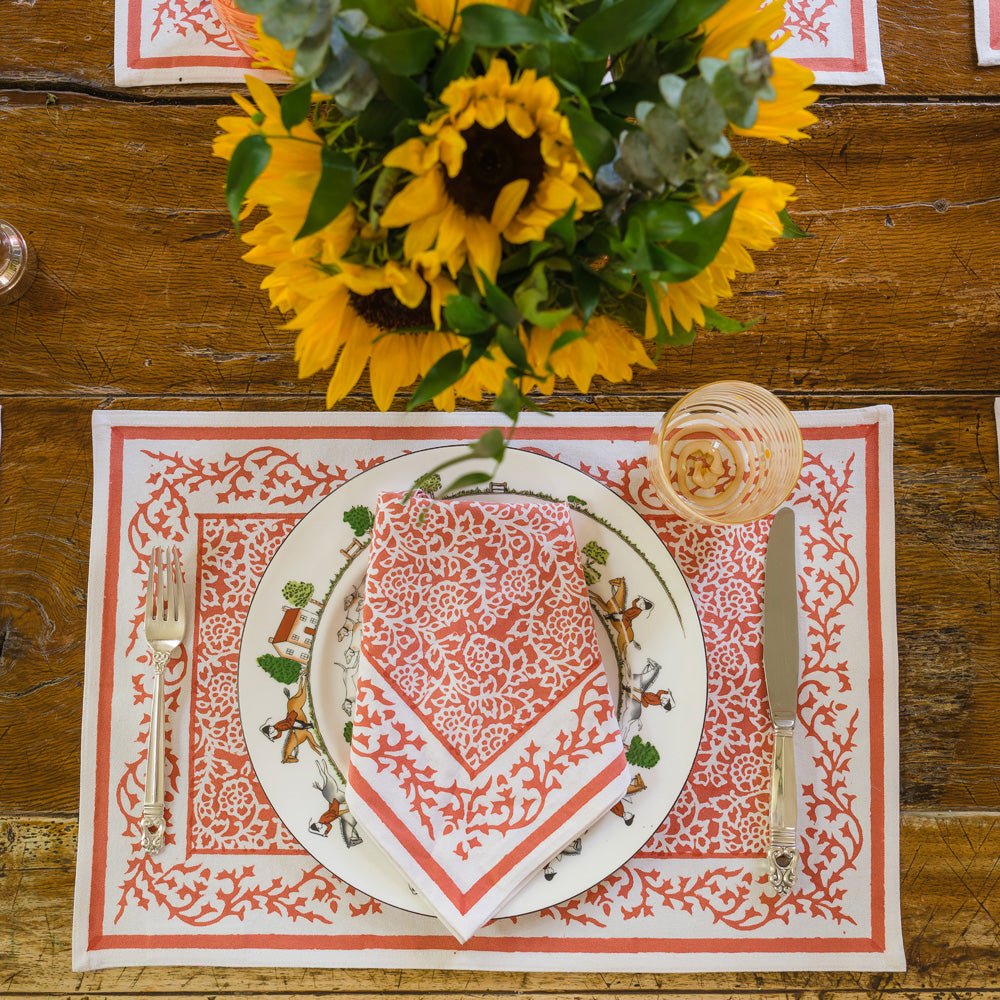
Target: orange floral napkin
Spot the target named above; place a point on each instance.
(485, 737)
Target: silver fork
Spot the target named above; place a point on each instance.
(164, 633)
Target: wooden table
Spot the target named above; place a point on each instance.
(142, 302)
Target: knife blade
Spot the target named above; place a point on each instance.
(781, 674)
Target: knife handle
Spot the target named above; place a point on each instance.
(782, 855)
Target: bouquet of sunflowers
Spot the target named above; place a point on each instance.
(476, 198)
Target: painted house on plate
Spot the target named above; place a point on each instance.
(293, 638)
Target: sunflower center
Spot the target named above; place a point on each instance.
(384, 310)
(493, 158)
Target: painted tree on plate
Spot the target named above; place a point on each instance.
(594, 555)
(297, 593)
(642, 754)
(281, 668)
(360, 518)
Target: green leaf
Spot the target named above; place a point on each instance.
(564, 229)
(510, 343)
(441, 375)
(500, 304)
(332, 194)
(466, 481)
(666, 219)
(492, 444)
(618, 25)
(510, 400)
(699, 245)
(389, 15)
(687, 16)
(565, 339)
(497, 28)
(588, 289)
(465, 316)
(402, 53)
(403, 91)
(248, 162)
(791, 230)
(453, 64)
(295, 105)
(593, 141)
(378, 120)
(726, 324)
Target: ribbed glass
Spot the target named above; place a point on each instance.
(727, 453)
(242, 27)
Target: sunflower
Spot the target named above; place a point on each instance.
(734, 26)
(445, 12)
(608, 349)
(755, 226)
(294, 168)
(269, 53)
(388, 318)
(499, 162)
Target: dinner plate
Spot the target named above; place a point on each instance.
(300, 654)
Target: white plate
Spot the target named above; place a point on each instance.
(650, 638)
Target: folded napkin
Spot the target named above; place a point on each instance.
(484, 738)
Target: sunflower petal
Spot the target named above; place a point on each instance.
(508, 203)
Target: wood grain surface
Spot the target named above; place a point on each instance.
(143, 302)
(951, 905)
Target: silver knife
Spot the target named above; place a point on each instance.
(781, 672)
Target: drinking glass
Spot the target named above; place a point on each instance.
(727, 453)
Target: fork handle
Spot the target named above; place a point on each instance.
(782, 854)
(153, 824)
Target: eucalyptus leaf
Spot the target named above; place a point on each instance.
(249, 160)
(311, 51)
(736, 98)
(286, 20)
(671, 87)
(701, 113)
(637, 162)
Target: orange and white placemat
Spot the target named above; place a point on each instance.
(233, 888)
(175, 41)
(837, 39)
(182, 41)
(987, 16)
